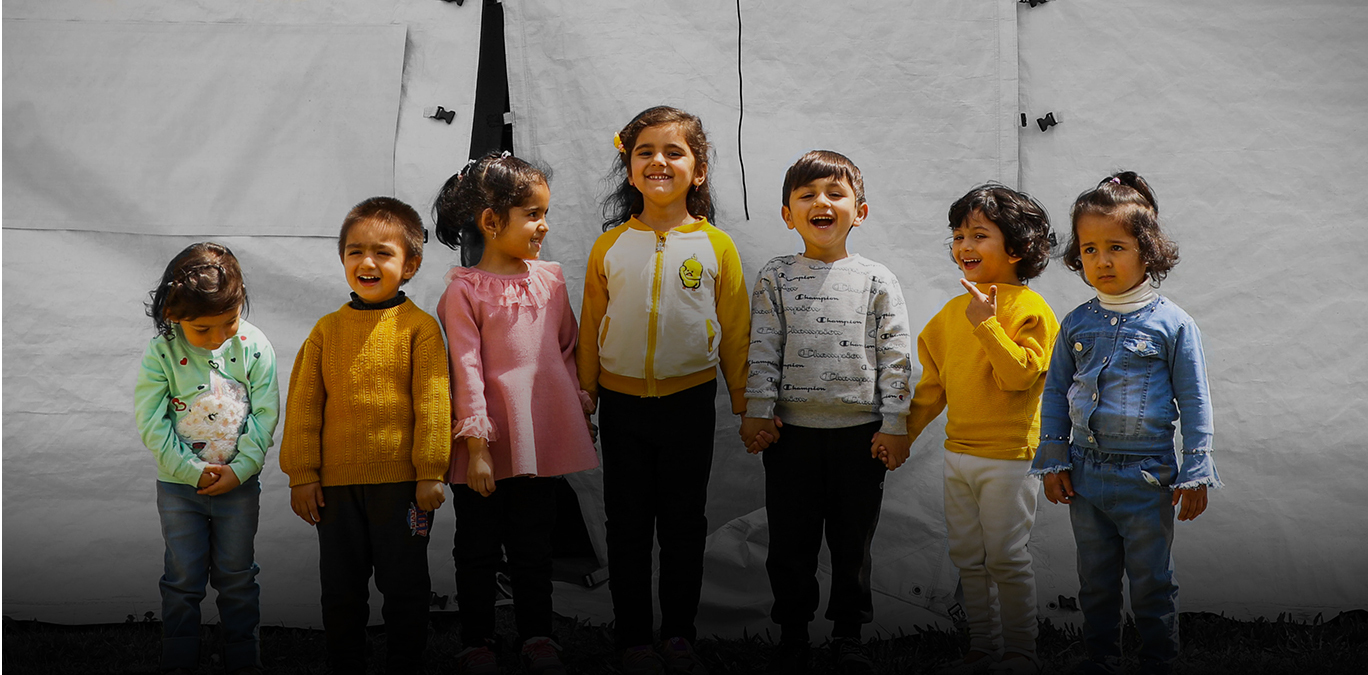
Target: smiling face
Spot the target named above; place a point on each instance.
(663, 167)
(1110, 254)
(521, 237)
(823, 212)
(210, 332)
(375, 260)
(980, 250)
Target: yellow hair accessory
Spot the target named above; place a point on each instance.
(617, 143)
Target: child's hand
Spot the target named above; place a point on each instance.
(891, 449)
(306, 500)
(227, 480)
(758, 433)
(480, 468)
(593, 430)
(429, 495)
(981, 307)
(1194, 502)
(1059, 488)
(207, 477)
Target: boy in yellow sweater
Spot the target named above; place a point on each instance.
(984, 357)
(368, 439)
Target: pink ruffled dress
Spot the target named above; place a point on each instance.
(512, 347)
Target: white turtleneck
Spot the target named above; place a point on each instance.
(1129, 301)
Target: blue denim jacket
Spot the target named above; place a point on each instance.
(1118, 381)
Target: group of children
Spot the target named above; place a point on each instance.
(817, 360)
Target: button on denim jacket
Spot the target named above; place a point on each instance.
(1118, 381)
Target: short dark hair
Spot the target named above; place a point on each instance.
(496, 181)
(1023, 221)
(625, 200)
(1126, 197)
(387, 211)
(204, 279)
(823, 164)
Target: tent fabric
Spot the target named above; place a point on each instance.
(172, 128)
(924, 101)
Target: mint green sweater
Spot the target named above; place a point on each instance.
(196, 407)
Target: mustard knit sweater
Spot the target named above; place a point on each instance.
(990, 376)
(369, 401)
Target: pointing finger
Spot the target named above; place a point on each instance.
(969, 286)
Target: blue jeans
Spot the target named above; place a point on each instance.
(1123, 522)
(209, 539)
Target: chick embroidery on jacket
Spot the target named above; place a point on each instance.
(691, 273)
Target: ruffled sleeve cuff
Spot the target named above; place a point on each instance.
(1051, 457)
(587, 402)
(1197, 471)
(475, 426)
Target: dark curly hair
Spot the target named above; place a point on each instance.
(498, 182)
(625, 200)
(1127, 197)
(204, 279)
(1024, 224)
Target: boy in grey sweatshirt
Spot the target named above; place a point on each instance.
(827, 395)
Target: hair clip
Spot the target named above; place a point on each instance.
(466, 169)
(617, 143)
(1114, 180)
(505, 155)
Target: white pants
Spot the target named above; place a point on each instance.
(989, 509)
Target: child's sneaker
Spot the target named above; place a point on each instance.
(642, 660)
(540, 655)
(790, 657)
(679, 657)
(477, 660)
(849, 657)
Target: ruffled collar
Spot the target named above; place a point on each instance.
(529, 289)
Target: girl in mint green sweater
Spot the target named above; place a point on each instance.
(207, 404)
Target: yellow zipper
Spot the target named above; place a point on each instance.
(655, 312)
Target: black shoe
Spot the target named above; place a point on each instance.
(849, 656)
(790, 657)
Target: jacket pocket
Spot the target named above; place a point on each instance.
(603, 332)
(712, 335)
(1142, 346)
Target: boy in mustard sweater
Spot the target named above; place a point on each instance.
(984, 357)
(368, 438)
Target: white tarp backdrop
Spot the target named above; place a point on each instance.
(1247, 117)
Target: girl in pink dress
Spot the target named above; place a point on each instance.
(521, 418)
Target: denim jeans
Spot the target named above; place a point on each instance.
(210, 539)
(1123, 523)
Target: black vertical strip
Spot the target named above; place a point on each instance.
(741, 112)
(487, 129)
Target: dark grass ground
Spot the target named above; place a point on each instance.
(1211, 644)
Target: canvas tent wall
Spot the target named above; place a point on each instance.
(1248, 122)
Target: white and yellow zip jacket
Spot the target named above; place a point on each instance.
(662, 310)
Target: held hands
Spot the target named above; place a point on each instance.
(758, 433)
(1059, 487)
(1194, 502)
(307, 500)
(480, 468)
(890, 449)
(981, 307)
(221, 479)
(429, 495)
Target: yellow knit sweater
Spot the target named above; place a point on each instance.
(369, 401)
(990, 376)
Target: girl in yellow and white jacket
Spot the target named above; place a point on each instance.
(665, 303)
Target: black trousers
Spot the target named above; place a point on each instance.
(374, 527)
(517, 518)
(815, 480)
(657, 457)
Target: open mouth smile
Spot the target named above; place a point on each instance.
(822, 221)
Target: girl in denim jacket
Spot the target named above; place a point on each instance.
(1126, 365)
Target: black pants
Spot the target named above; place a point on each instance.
(815, 479)
(657, 457)
(365, 527)
(518, 517)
